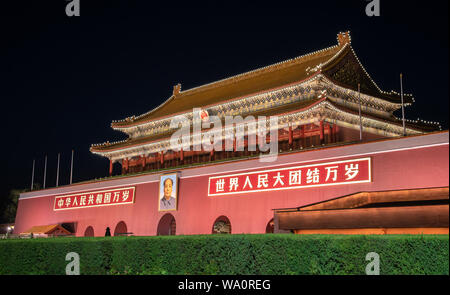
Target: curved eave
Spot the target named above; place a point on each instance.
(417, 126)
(391, 96)
(129, 122)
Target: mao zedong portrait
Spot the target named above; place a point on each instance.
(168, 201)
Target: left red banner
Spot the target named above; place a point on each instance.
(119, 196)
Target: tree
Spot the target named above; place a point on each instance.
(9, 210)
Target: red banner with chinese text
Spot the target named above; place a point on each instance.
(119, 196)
(325, 174)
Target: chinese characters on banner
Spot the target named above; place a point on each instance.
(119, 196)
(326, 174)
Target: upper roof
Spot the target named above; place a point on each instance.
(269, 77)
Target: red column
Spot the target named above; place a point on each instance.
(321, 132)
(156, 156)
(224, 153)
(162, 157)
(327, 131)
(332, 133)
(335, 133)
(144, 158)
(211, 154)
(302, 135)
(234, 140)
(110, 167)
(257, 143)
(125, 164)
(181, 155)
(290, 136)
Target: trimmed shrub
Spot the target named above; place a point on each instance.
(229, 254)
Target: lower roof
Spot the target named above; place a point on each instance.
(281, 110)
(45, 229)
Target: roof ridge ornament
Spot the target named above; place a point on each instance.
(313, 70)
(176, 89)
(130, 119)
(344, 38)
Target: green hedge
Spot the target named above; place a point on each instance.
(229, 254)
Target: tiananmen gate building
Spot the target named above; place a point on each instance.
(344, 162)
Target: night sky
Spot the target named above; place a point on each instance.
(64, 79)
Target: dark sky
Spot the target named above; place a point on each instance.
(63, 80)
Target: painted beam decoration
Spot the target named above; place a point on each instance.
(118, 196)
(324, 174)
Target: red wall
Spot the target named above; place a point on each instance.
(350, 134)
(420, 162)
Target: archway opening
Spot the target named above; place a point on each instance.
(270, 227)
(121, 229)
(167, 225)
(222, 225)
(89, 232)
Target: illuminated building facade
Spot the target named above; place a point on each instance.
(337, 139)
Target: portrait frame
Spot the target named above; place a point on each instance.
(175, 182)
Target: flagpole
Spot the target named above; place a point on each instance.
(45, 170)
(32, 176)
(71, 168)
(360, 116)
(57, 171)
(403, 105)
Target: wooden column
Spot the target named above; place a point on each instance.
(162, 158)
(257, 143)
(157, 161)
(181, 156)
(224, 153)
(110, 167)
(302, 135)
(331, 136)
(328, 132)
(125, 165)
(332, 133)
(234, 141)
(144, 161)
(335, 133)
(290, 136)
(321, 132)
